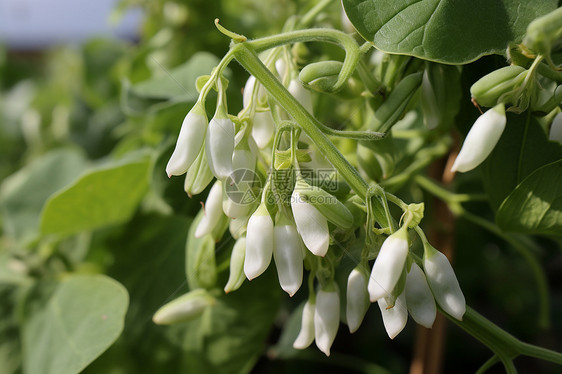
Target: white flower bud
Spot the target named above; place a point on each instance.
(236, 277)
(326, 317)
(219, 147)
(306, 333)
(443, 282)
(287, 253)
(388, 265)
(481, 139)
(394, 317)
(263, 128)
(259, 243)
(300, 93)
(243, 164)
(419, 298)
(212, 210)
(555, 133)
(311, 224)
(185, 308)
(190, 141)
(357, 297)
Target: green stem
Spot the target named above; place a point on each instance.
(352, 52)
(247, 57)
(454, 201)
(488, 364)
(540, 278)
(313, 12)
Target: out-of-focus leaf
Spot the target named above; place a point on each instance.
(451, 32)
(176, 85)
(83, 317)
(230, 336)
(23, 194)
(535, 206)
(103, 196)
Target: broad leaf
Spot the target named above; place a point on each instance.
(101, 197)
(84, 316)
(535, 206)
(452, 32)
(23, 194)
(522, 149)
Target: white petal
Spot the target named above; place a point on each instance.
(263, 128)
(300, 93)
(326, 319)
(357, 298)
(388, 266)
(189, 143)
(287, 253)
(311, 225)
(394, 317)
(306, 333)
(419, 298)
(259, 245)
(212, 210)
(444, 284)
(219, 147)
(481, 139)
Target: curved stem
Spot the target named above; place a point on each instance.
(247, 57)
(352, 52)
(488, 364)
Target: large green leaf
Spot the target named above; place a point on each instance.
(535, 206)
(23, 194)
(447, 31)
(102, 196)
(84, 316)
(522, 149)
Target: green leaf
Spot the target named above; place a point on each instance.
(103, 196)
(522, 149)
(447, 31)
(23, 194)
(230, 336)
(84, 316)
(535, 206)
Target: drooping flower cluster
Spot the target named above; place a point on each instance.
(298, 220)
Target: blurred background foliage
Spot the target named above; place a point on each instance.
(114, 106)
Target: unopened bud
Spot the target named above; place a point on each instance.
(185, 308)
(236, 277)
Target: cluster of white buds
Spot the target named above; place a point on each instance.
(298, 228)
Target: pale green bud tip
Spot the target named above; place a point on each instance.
(189, 143)
(212, 211)
(236, 277)
(388, 265)
(481, 139)
(326, 318)
(357, 298)
(444, 284)
(306, 334)
(394, 315)
(185, 308)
